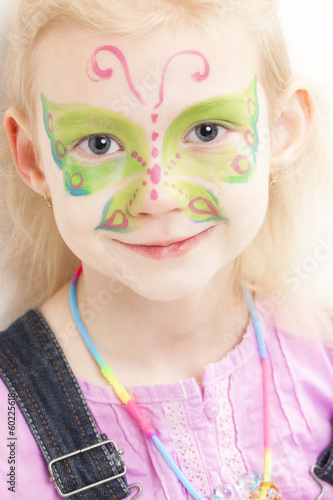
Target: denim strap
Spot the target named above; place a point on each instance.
(324, 467)
(34, 368)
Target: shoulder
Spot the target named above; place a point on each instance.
(28, 321)
(299, 319)
(22, 349)
(299, 338)
(18, 342)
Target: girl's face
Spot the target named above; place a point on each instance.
(151, 149)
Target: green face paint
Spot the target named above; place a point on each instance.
(231, 162)
(66, 123)
(133, 174)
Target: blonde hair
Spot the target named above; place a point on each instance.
(32, 243)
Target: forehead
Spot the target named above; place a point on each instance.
(168, 69)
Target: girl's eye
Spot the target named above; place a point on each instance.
(206, 132)
(98, 145)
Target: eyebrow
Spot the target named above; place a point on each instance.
(69, 119)
(213, 103)
(79, 114)
(89, 115)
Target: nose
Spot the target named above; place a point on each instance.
(153, 199)
(153, 194)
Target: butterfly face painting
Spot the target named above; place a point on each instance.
(212, 142)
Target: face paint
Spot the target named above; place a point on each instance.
(93, 69)
(235, 159)
(67, 123)
(197, 77)
(132, 175)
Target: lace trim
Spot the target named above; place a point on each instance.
(185, 444)
(232, 461)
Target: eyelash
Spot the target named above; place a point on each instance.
(215, 141)
(91, 156)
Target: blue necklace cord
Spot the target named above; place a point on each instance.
(159, 445)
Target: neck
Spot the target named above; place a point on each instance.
(162, 341)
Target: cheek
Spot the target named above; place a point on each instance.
(233, 162)
(73, 214)
(246, 208)
(76, 218)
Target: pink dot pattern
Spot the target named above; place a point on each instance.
(134, 155)
(154, 194)
(154, 153)
(173, 162)
(156, 171)
(139, 159)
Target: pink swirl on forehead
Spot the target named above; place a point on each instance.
(198, 77)
(107, 73)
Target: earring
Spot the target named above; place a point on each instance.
(48, 200)
(273, 179)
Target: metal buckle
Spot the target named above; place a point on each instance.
(139, 490)
(316, 478)
(65, 495)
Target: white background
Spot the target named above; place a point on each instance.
(308, 26)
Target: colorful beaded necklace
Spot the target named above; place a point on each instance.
(259, 488)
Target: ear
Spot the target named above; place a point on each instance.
(293, 124)
(21, 145)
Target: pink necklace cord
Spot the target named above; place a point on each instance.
(262, 490)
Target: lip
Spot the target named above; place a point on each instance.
(171, 249)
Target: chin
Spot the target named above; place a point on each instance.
(164, 294)
(172, 285)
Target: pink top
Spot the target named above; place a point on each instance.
(215, 432)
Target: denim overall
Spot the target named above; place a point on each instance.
(35, 370)
(324, 467)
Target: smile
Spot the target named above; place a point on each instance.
(163, 250)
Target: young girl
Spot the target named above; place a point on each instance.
(166, 148)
